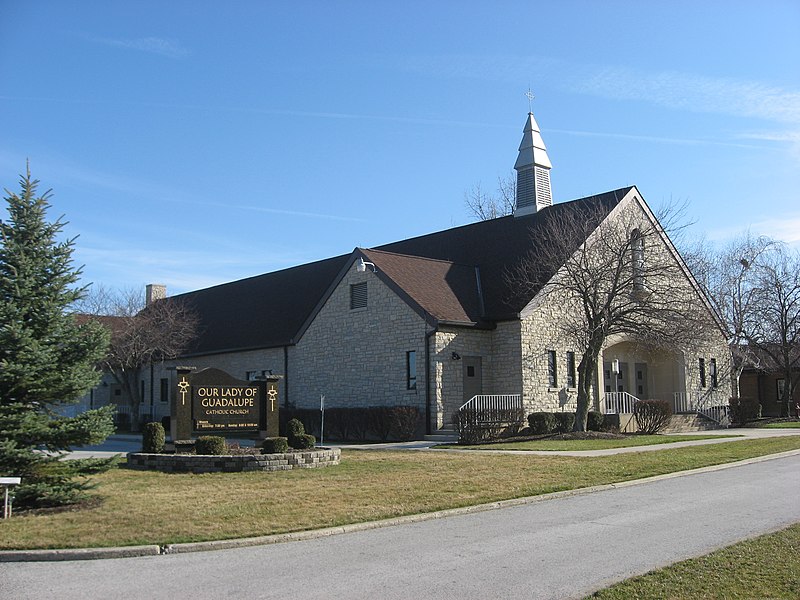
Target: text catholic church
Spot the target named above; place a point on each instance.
(434, 321)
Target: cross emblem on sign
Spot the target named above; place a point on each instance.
(183, 387)
(272, 393)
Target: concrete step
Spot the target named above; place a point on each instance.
(690, 422)
(442, 436)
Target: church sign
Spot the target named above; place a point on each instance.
(220, 407)
(211, 401)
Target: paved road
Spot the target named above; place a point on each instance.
(559, 548)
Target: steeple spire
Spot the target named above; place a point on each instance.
(533, 170)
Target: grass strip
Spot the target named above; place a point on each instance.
(140, 507)
(598, 444)
(784, 425)
(764, 567)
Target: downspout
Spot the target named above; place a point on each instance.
(286, 377)
(152, 416)
(428, 410)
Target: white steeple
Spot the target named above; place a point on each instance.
(533, 171)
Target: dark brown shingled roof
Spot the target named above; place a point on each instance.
(263, 311)
(498, 244)
(436, 272)
(444, 290)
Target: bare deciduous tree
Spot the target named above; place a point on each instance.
(483, 206)
(727, 276)
(616, 275)
(140, 335)
(773, 327)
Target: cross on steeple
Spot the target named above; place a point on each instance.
(530, 96)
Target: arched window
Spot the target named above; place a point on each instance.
(637, 260)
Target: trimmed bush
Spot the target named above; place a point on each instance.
(276, 445)
(652, 415)
(542, 423)
(153, 438)
(295, 427)
(404, 421)
(478, 425)
(304, 442)
(594, 420)
(744, 410)
(379, 421)
(210, 444)
(565, 422)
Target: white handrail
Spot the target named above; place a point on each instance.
(493, 402)
(620, 402)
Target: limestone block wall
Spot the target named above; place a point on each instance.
(448, 382)
(357, 357)
(237, 463)
(541, 331)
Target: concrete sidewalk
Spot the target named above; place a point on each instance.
(117, 445)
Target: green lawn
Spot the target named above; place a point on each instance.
(141, 507)
(784, 425)
(599, 444)
(764, 567)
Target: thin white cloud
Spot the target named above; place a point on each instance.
(153, 45)
(697, 93)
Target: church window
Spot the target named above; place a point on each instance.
(570, 369)
(637, 259)
(552, 378)
(702, 365)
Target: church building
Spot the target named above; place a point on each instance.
(439, 320)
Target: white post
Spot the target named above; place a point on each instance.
(322, 420)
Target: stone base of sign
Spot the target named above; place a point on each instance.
(234, 463)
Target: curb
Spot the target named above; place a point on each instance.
(78, 553)
(154, 550)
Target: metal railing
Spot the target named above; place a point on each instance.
(703, 403)
(620, 402)
(493, 402)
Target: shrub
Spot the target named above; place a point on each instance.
(594, 420)
(744, 410)
(565, 422)
(304, 441)
(476, 425)
(404, 421)
(294, 428)
(210, 444)
(153, 438)
(276, 445)
(379, 421)
(652, 415)
(542, 423)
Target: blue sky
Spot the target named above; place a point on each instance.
(194, 143)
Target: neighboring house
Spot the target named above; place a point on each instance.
(762, 380)
(434, 321)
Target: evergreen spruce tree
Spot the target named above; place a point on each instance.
(47, 357)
